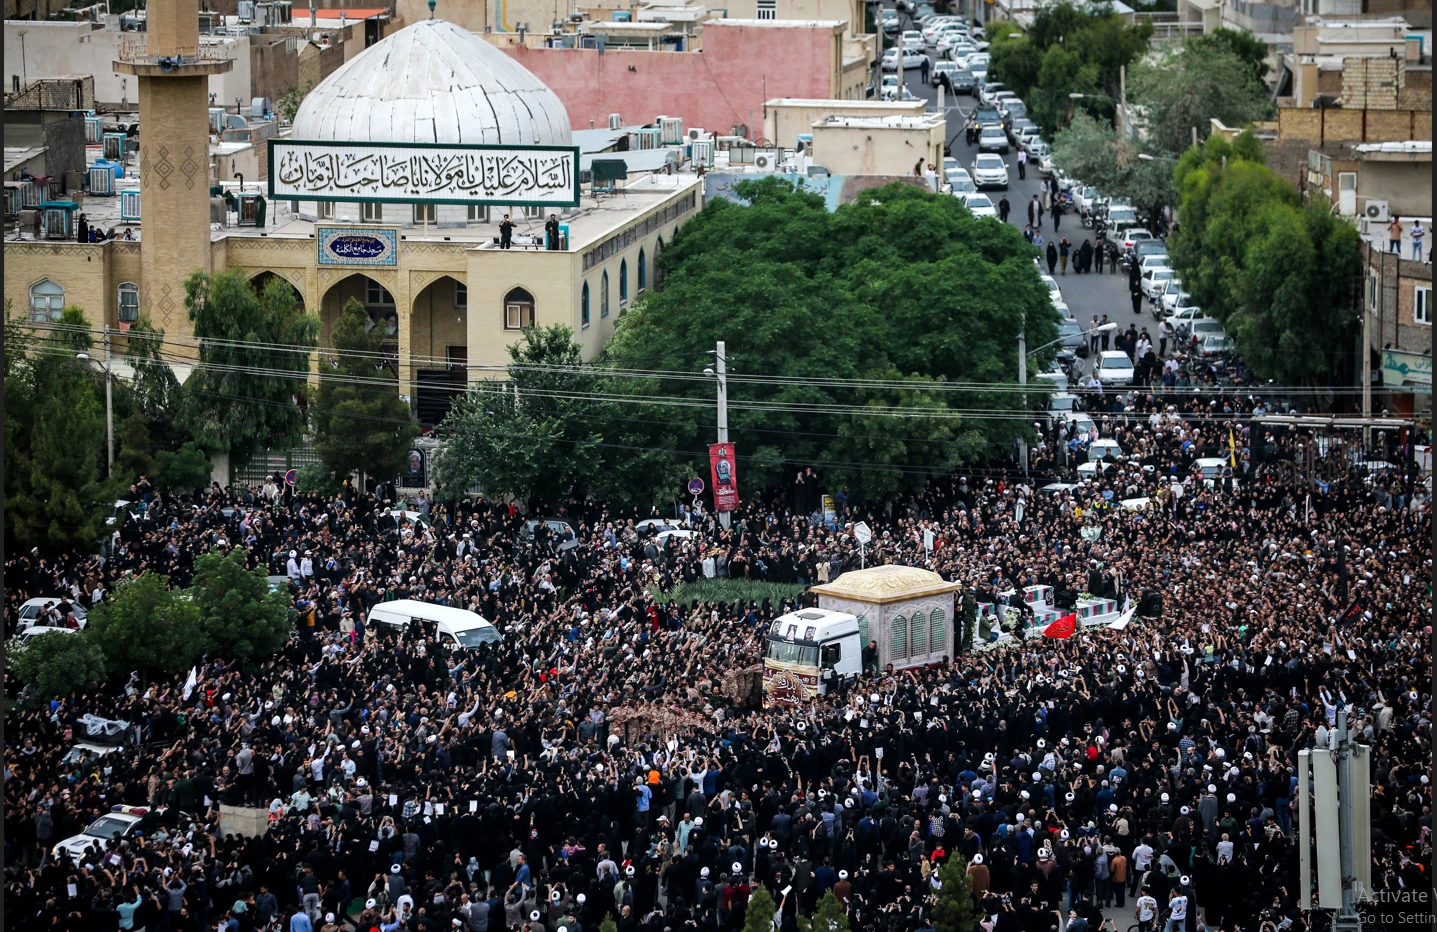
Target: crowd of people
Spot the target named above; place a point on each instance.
(595, 763)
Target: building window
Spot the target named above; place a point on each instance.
(584, 306)
(604, 294)
(478, 213)
(1372, 292)
(376, 295)
(518, 310)
(461, 294)
(898, 638)
(371, 213)
(768, 9)
(532, 213)
(658, 272)
(1422, 305)
(47, 300)
(643, 271)
(426, 213)
(623, 282)
(324, 210)
(129, 302)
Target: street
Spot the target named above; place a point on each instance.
(1086, 295)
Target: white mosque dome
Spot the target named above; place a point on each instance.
(437, 83)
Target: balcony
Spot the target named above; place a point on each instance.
(205, 58)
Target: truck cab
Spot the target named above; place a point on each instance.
(809, 653)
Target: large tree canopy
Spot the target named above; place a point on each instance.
(254, 358)
(903, 287)
(1279, 274)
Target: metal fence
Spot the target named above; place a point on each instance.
(275, 461)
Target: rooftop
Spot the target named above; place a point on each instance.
(889, 583)
(780, 23)
(892, 121)
(1409, 147)
(878, 105)
(16, 156)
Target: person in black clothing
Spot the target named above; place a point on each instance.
(506, 232)
(1004, 208)
(551, 233)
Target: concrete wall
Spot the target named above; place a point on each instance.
(1395, 281)
(65, 135)
(1338, 125)
(1407, 185)
(274, 66)
(876, 150)
(78, 48)
(723, 86)
(783, 122)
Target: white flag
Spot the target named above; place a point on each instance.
(1124, 618)
(191, 682)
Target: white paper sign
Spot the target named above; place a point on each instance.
(374, 846)
(406, 173)
(473, 805)
(393, 799)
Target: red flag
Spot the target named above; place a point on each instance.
(1062, 628)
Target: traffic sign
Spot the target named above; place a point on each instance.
(696, 486)
(291, 477)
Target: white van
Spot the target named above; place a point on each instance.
(468, 629)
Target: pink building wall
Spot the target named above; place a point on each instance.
(724, 85)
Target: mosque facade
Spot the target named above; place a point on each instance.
(432, 275)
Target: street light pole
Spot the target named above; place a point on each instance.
(721, 377)
(109, 412)
(1023, 380)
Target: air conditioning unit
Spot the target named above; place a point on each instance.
(1378, 211)
(703, 153)
(102, 181)
(671, 131)
(616, 121)
(696, 133)
(764, 162)
(130, 205)
(648, 137)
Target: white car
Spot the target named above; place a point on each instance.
(33, 613)
(654, 524)
(911, 59)
(1172, 302)
(1115, 368)
(990, 171)
(913, 39)
(34, 631)
(889, 86)
(1052, 284)
(675, 533)
(1103, 447)
(991, 89)
(992, 139)
(961, 185)
(119, 822)
(1155, 281)
(981, 205)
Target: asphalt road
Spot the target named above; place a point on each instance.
(1086, 295)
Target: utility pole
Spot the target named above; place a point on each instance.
(1336, 815)
(1366, 378)
(721, 377)
(1023, 380)
(109, 412)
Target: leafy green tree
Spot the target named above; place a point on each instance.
(829, 916)
(134, 457)
(608, 925)
(57, 665)
(534, 436)
(184, 470)
(1186, 89)
(1279, 274)
(254, 358)
(954, 910)
(155, 389)
(238, 613)
(361, 425)
(147, 626)
(57, 489)
(1249, 49)
(761, 907)
(315, 478)
(1094, 151)
(928, 297)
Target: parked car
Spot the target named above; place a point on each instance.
(992, 139)
(980, 204)
(987, 115)
(1133, 236)
(912, 58)
(36, 613)
(1215, 344)
(1023, 132)
(1155, 281)
(1071, 333)
(1144, 249)
(1061, 406)
(913, 39)
(890, 20)
(559, 530)
(1205, 327)
(961, 184)
(990, 92)
(989, 171)
(1114, 368)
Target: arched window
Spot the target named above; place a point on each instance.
(584, 306)
(863, 629)
(937, 632)
(518, 309)
(898, 638)
(658, 269)
(623, 282)
(918, 634)
(129, 302)
(47, 300)
(604, 295)
(643, 271)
